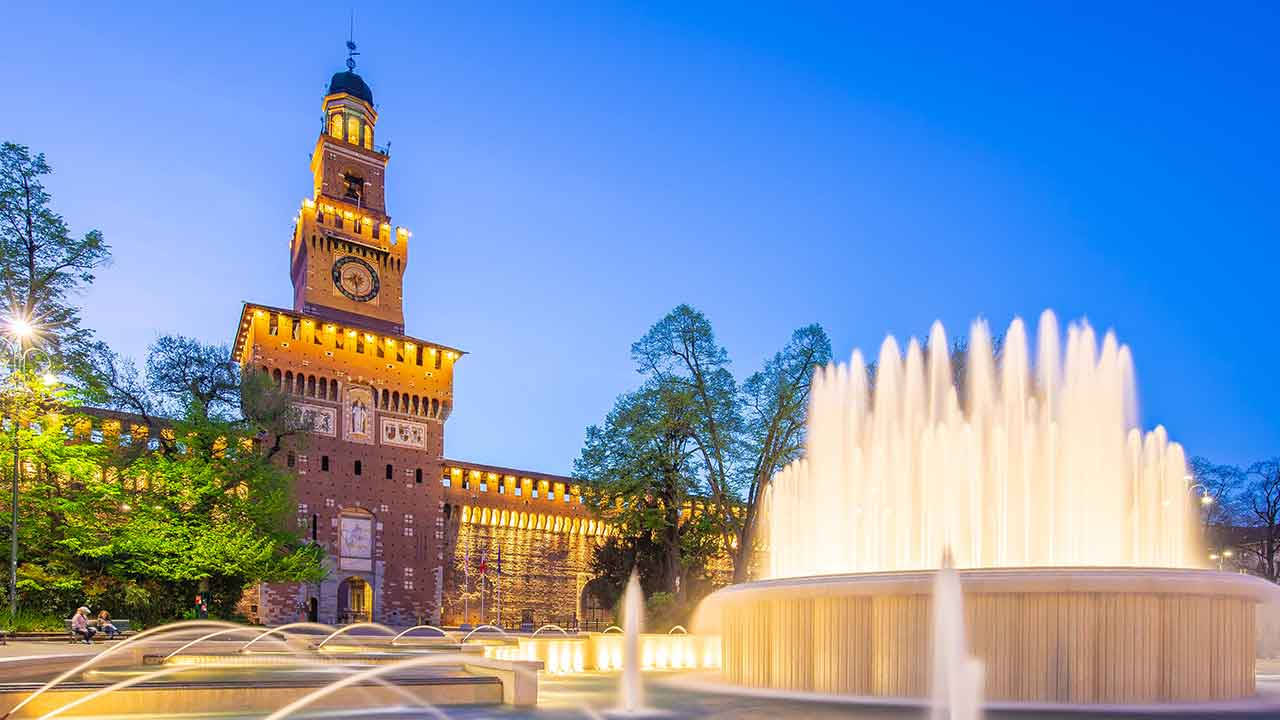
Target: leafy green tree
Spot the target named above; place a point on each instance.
(112, 519)
(732, 438)
(43, 266)
(774, 402)
(638, 464)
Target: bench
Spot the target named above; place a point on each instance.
(121, 624)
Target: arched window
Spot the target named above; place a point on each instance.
(390, 472)
(395, 401)
(417, 476)
(368, 136)
(275, 375)
(358, 468)
(353, 130)
(324, 388)
(386, 399)
(288, 381)
(333, 391)
(335, 125)
(301, 386)
(435, 407)
(311, 386)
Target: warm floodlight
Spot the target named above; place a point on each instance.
(1228, 553)
(50, 379)
(1206, 499)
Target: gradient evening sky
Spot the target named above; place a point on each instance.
(571, 174)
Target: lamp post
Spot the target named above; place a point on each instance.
(20, 332)
(1220, 556)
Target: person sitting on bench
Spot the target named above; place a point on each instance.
(80, 626)
(105, 625)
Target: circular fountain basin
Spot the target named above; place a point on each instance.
(1056, 635)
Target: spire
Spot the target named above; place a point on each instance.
(351, 44)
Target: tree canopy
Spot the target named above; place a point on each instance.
(679, 464)
(43, 266)
(138, 513)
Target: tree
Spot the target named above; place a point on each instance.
(187, 378)
(774, 402)
(637, 466)
(1261, 503)
(1223, 484)
(42, 266)
(737, 437)
(110, 518)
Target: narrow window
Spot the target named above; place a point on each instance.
(389, 472)
(315, 523)
(324, 463)
(417, 476)
(357, 467)
(438, 354)
(291, 459)
(353, 130)
(335, 125)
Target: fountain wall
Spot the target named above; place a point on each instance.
(1045, 635)
(1076, 534)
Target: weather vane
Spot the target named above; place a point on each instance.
(351, 44)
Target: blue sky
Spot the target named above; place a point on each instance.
(570, 173)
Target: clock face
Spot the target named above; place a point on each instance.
(355, 278)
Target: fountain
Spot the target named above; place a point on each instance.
(1073, 535)
(957, 677)
(631, 688)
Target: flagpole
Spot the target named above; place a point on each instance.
(466, 586)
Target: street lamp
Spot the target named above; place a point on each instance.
(21, 332)
(1226, 554)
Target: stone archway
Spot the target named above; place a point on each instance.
(355, 600)
(595, 611)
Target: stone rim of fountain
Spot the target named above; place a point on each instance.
(1157, 615)
(1182, 581)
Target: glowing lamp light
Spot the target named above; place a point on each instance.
(50, 379)
(1206, 499)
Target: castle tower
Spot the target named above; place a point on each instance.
(395, 518)
(347, 261)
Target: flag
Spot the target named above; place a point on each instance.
(484, 563)
(499, 568)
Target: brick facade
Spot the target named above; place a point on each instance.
(397, 520)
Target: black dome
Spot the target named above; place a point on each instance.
(352, 84)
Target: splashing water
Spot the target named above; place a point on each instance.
(550, 626)
(486, 628)
(957, 682)
(1038, 466)
(632, 690)
(356, 626)
(440, 632)
(283, 632)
